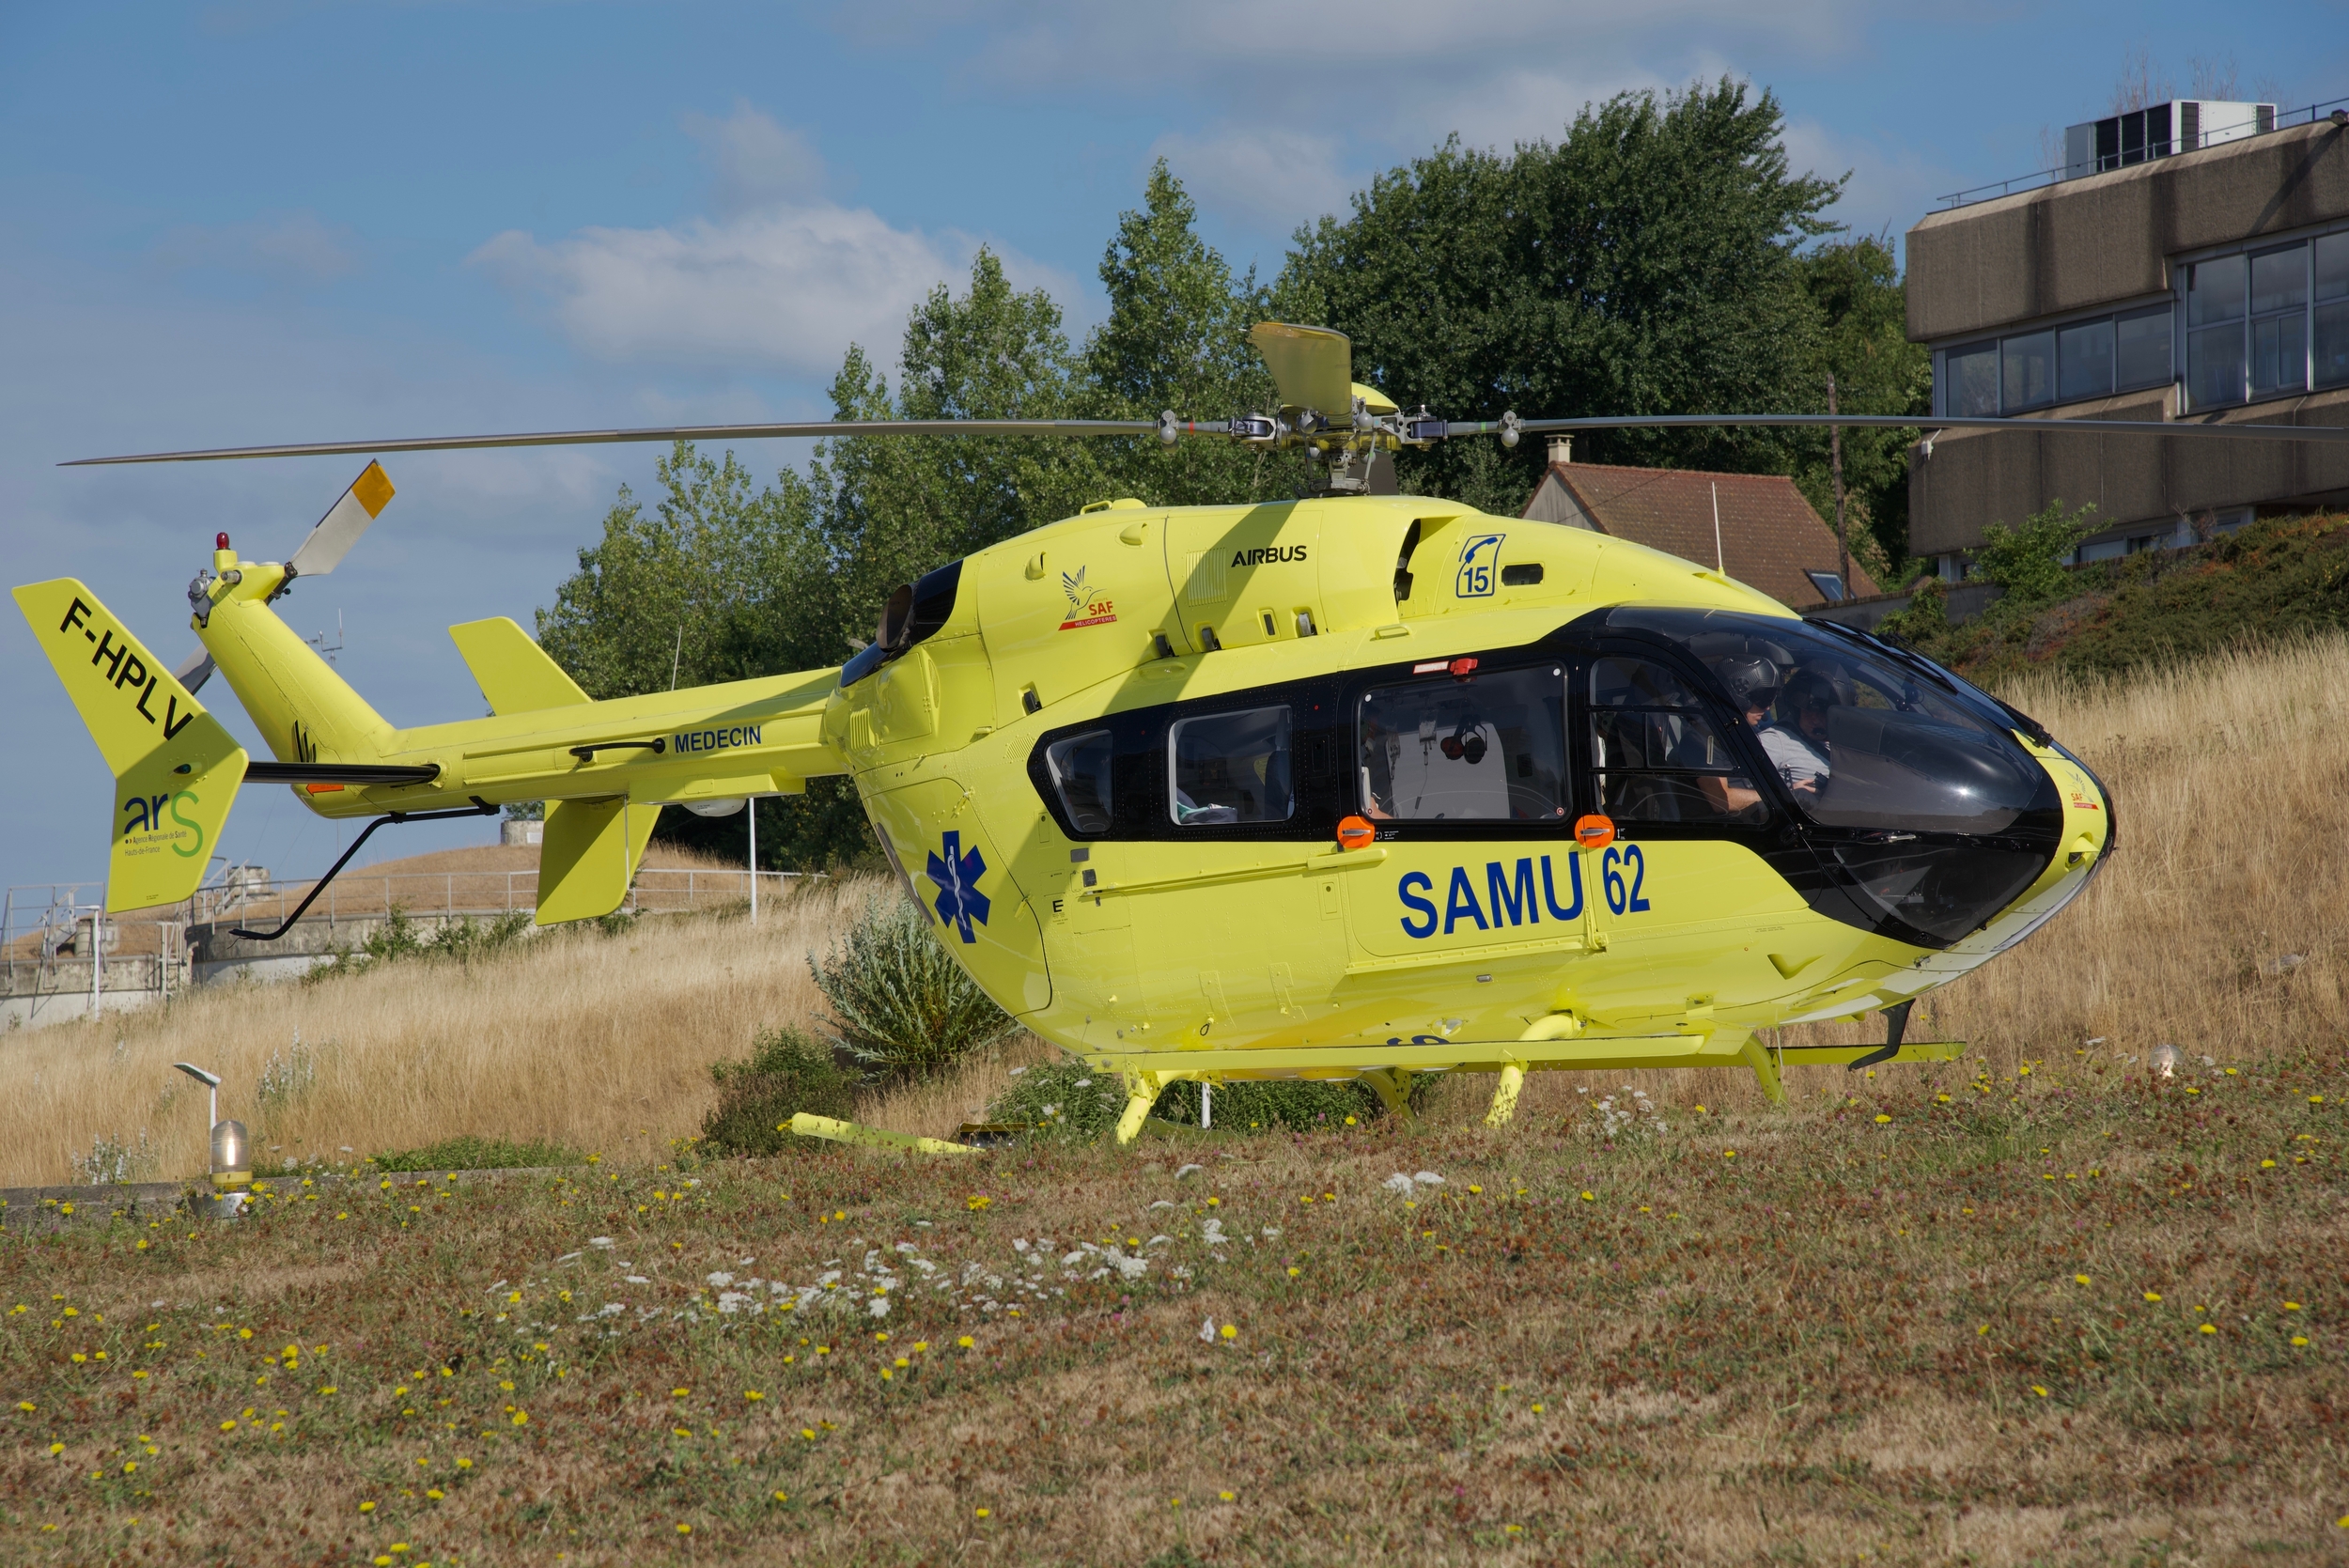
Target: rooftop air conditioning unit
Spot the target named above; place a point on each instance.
(2159, 130)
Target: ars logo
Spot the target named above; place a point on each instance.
(956, 872)
(1085, 607)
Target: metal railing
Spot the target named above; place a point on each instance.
(452, 895)
(56, 939)
(46, 941)
(2285, 120)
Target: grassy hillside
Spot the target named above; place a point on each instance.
(2277, 579)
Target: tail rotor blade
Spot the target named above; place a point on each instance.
(340, 528)
(195, 669)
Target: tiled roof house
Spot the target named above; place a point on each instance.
(1769, 536)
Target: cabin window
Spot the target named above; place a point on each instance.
(1487, 748)
(1231, 767)
(1860, 738)
(1656, 753)
(1079, 767)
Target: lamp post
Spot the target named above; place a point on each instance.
(231, 1148)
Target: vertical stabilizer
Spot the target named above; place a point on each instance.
(175, 770)
(589, 855)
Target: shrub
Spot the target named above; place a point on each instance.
(1295, 1103)
(113, 1162)
(286, 1078)
(468, 1152)
(900, 1004)
(401, 938)
(788, 1071)
(1068, 1097)
(1062, 1098)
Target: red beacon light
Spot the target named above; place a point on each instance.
(220, 540)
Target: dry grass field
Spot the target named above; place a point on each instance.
(2032, 1306)
(2218, 926)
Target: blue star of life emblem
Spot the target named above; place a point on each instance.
(957, 872)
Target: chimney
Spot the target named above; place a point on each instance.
(1561, 450)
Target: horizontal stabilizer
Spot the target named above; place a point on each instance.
(175, 770)
(515, 674)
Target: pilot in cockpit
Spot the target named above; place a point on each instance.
(1799, 749)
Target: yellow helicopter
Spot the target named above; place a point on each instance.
(1356, 785)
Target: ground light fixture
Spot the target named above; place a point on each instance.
(231, 1151)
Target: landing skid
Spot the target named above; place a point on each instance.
(1388, 1069)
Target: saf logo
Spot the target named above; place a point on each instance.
(1085, 606)
(957, 872)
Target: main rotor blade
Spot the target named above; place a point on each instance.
(343, 521)
(1313, 367)
(681, 432)
(1909, 422)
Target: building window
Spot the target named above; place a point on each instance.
(2084, 354)
(1972, 375)
(1830, 586)
(2028, 365)
(2214, 332)
(2141, 346)
(2267, 323)
(2078, 360)
(2279, 319)
(2330, 364)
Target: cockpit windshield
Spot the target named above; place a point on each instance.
(1859, 740)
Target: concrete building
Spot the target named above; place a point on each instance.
(2177, 275)
(1754, 527)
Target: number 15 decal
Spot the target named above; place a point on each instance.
(1622, 897)
(1478, 557)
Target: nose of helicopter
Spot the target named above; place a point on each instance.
(2087, 837)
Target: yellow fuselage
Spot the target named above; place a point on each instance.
(1278, 953)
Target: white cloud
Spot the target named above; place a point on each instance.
(757, 163)
(788, 289)
(781, 280)
(298, 248)
(1274, 179)
(1324, 106)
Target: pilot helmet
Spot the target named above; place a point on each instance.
(1750, 682)
(1810, 688)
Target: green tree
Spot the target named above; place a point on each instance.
(2030, 562)
(713, 584)
(1647, 263)
(1176, 337)
(720, 580)
(1854, 288)
(894, 506)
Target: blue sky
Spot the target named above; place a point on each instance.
(265, 220)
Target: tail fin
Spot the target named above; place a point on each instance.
(589, 854)
(515, 675)
(175, 770)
